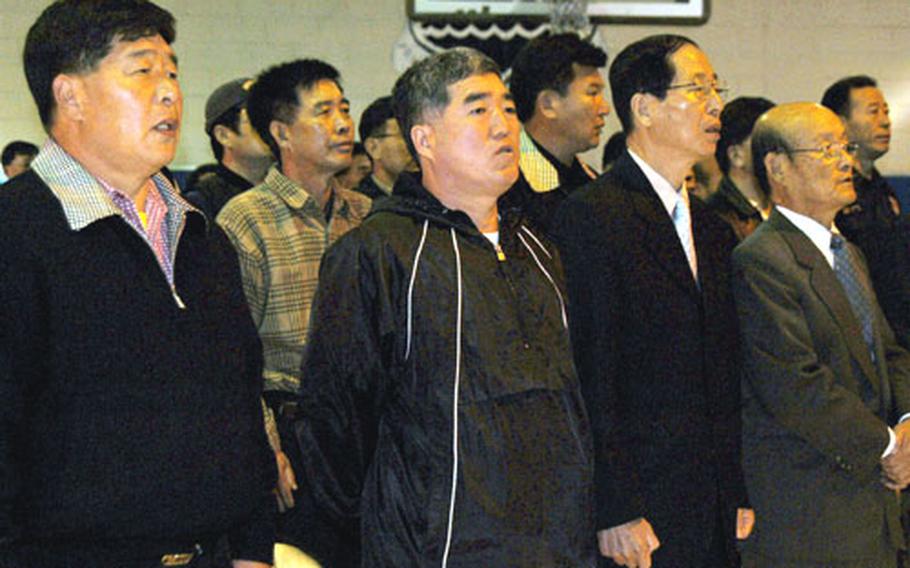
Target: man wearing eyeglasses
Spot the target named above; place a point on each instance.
(825, 385)
(653, 322)
(386, 147)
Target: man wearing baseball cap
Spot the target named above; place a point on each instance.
(243, 158)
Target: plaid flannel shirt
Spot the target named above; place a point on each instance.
(280, 233)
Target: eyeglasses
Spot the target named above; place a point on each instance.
(830, 151)
(703, 91)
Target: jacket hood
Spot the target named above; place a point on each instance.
(410, 198)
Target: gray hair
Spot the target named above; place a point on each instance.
(424, 87)
(767, 138)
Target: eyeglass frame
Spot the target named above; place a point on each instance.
(849, 148)
(703, 91)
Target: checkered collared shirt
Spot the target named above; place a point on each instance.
(86, 199)
(280, 233)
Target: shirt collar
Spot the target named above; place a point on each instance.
(383, 187)
(288, 190)
(814, 231)
(668, 194)
(298, 198)
(82, 196)
(568, 177)
(744, 206)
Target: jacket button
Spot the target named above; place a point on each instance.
(526, 345)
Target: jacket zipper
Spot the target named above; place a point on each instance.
(177, 299)
(501, 256)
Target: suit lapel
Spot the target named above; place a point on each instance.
(659, 236)
(830, 291)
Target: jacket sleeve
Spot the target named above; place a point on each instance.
(785, 376)
(254, 537)
(20, 368)
(898, 361)
(346, 359)
(893, 336)
(594, 306)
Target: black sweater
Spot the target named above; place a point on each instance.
(125, 420)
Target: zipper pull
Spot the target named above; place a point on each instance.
(499, 254)
(177, 299)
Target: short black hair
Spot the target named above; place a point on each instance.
(736, 122)
(18, 148)
(545, 63)
(643, 67)
(275, 94)
(424, 87)
(837, 96)
(373, 119)
(765, 140)
(72, 36)
(229, 119)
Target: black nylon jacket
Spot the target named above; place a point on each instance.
(386, 354)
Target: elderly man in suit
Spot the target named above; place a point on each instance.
(823, 377)
(653, 322)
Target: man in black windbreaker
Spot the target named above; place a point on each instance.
(441, 417)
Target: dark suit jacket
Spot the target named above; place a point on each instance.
(657, 356)
(815, 405)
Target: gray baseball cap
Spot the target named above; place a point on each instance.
(226, 97)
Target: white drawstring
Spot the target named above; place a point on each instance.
(445, 554)
(562, 304)
(458, 334)
(423, 239)
(536, 240)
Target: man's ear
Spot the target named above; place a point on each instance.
(371, 145)
(774, 166)
(423, 137)
(279, 132)
(69, 96)
(642, 109)
(547, 104)
(736, 155)
(222, 134)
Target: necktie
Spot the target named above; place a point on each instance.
(847, 270)
(683, 224)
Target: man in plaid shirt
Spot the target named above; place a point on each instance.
(281, 227)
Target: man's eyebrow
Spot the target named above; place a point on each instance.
(474, 97)
(330, 102)
(701, 75)
(140, 53)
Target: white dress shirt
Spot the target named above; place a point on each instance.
(672, 197)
